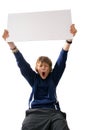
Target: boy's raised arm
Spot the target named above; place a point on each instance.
(69, 41)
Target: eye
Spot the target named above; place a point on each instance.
(46, 66)
(40, 65)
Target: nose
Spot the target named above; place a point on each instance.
(43, 67)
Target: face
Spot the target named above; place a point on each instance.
(43, 69)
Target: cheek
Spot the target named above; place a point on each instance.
(48, 70)
(39, 70)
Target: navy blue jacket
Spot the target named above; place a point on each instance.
(43, 90)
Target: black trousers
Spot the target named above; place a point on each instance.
(44, 119)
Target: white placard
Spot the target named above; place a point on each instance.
(35, 26)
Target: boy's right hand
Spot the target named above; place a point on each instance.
(5, 34)
(11, 44)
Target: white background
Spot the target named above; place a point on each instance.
(14, 89)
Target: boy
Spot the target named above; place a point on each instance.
(44, 111)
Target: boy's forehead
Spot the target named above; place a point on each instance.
(42, 63)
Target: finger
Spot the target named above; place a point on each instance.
(6, 31)
(73, 31)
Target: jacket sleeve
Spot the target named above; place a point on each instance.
(25, 68)
(59, 66)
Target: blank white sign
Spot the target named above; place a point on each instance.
(46, 25)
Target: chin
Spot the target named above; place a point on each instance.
(43, 77)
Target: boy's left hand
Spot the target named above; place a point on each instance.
(73, 30)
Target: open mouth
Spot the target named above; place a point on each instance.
(43, 74)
